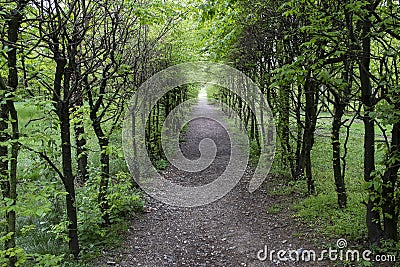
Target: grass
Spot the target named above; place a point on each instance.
(212, 92)
(321, 211)
(274, 209)
(41, 219)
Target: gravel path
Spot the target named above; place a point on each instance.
(228, 232)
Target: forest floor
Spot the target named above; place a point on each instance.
(227, 232)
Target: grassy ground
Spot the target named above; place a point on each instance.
(321, 212)
(41, 219)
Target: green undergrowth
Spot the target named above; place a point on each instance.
(42, 238)
(321, 211)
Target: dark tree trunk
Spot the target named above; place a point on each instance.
(69, 179)
(299, 132)
(103, 142)
(340, 102)
(63, 113)
(105, 172)
(81, 153)
(373, 216)
(135, 163)
(390, 202)
(311, 108)
(9, 113)
(284, 123)
(4, 176)
(336, 155)
(3, 147)
(11, 214)
(80, 140)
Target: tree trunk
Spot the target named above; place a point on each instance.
(373, 216)
(105, 172)
(10, 177)
(63, 112)
(284, 121)
(299, 132)
(11, 214)
(81, 153)
(311, 95)
(69, 179)
(336, 155)
(80, 140)
(390, 202)
(4, 178)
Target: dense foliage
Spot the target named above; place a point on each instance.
(335, 60)
(68, 68)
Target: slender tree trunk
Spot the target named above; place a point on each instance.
(4, 174)
(135, 163)
(63, 113)
(372, 216)
(11, 214)
(81, 153)
(76, 101)
(299, 132)
(390, 202)
(308, 135)
(105, 172)
(336, 154)
(3, 139)
(80, 140)
(284, 123)
(10, 177)
(69, 179)
(240, 110)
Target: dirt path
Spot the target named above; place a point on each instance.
(228, 232)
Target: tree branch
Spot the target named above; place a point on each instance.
(46, 158)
